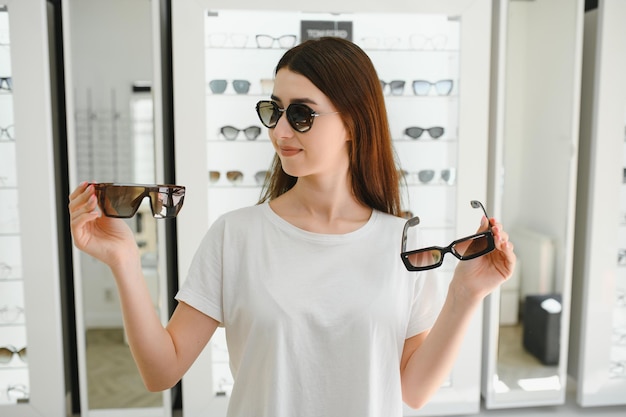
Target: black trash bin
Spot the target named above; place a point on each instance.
(542, 327)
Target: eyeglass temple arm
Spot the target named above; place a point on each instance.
(477, 204)
(414, 221)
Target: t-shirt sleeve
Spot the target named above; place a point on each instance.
(202, 288)
(428, 295)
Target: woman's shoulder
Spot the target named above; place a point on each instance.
(388, 219)
(242, 215)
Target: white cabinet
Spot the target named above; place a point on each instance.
(214, 46)
(32, 366)
(598, 339)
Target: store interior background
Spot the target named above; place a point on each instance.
(111, 70)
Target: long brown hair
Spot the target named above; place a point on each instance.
(346, 75)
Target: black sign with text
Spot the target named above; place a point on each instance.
(315, 29)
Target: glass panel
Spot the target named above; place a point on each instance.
(114, 131)
(401, 54)
(14, 378)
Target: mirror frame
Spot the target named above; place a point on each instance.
(157, 34)
(564, 242)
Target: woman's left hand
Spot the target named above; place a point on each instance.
(480, 276)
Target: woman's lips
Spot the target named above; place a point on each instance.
(289, 151)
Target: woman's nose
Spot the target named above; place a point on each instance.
(282, 128)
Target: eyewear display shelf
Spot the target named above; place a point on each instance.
(418, 59)
(598, 360)
(31, 357)
(14, 379)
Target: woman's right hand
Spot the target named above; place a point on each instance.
(107, 239)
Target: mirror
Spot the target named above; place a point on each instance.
(112, 64)
(542, 56)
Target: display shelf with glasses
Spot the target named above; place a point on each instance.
(31, 356)
(439, 133)
(13, 356)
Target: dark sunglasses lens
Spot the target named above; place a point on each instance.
(413, 132)
(252, 132)
(424, 258)
(436, 132)
(300, 117)
(268, 113)
(241, 86)
(426, 175)
(5, 355)
(397, 87)
(443, 87)
(234, 177)
(229, 132)
(121, 201)
(217, 86)
(167, 201)
(474, 246)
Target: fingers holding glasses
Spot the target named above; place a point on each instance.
(83, 201)
(107, 239)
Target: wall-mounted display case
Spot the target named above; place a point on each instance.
(31, 355)
(598, 341)
(224, 58)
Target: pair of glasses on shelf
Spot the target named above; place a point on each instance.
(463, 249)
(283, 41)
(7, 352)
(236, 177)
(422, 42)
(231, 132)
(300, 116)
(415, 132)
(219, 86)
(123, 200)
(420, 87)
(425, 176)
(223, 40)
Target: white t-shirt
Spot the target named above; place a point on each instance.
(315, 323)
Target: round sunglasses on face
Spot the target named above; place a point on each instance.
(300, 116)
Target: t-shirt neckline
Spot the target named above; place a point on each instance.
(294, 230)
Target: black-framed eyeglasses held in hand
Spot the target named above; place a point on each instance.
(123, 200)
(463, 249)
(300, 116)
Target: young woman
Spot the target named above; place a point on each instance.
(321, 316)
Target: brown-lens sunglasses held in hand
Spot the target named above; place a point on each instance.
(123, 200)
